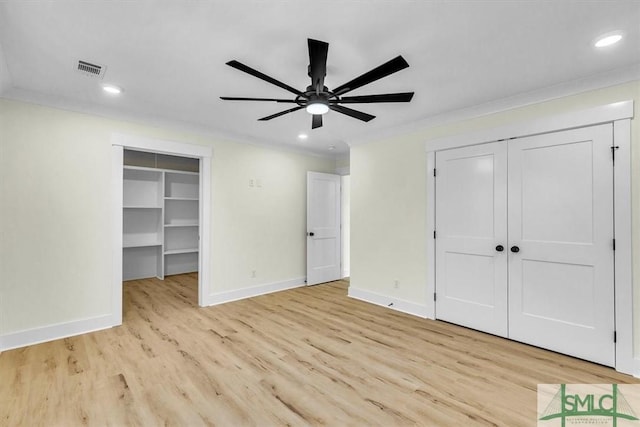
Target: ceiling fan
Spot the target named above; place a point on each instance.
(317, 99)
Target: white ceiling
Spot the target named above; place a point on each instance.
(170, 57)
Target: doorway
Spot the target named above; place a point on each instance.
(323, 228)
(201, 259)
(160, 215)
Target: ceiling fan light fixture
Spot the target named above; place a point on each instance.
(317, 107)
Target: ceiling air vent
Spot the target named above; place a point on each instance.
(92, 70)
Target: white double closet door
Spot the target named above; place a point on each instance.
(524, 245)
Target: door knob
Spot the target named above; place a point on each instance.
(499, 248)
(515, 249)
(311, 234)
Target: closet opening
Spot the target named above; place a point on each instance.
(161, 219)
(160, 215)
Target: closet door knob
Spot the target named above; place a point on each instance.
(312, 234)
(499, 248)
(515, 249)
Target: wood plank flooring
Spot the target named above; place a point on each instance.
(308, 356)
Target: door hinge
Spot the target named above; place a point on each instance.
(434, 171)
(434, 296)
(434, 234)
(615, 336)
(614, 244)
(613, 152)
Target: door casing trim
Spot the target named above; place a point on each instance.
(119, 142)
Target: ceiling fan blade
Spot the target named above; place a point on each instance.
(317, 63)
(396, 64)
(245, 68)
(234, 98)
(281, 113)
(352, 113)
(367, 99)
(316, 121)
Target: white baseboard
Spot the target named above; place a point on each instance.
(408, 307)
(54, 332)
(253, 291)
(77, 327)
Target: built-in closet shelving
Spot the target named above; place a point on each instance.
(160, 218)
(181, 222)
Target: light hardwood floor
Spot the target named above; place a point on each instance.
(307, 356)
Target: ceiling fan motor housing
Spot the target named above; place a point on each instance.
(312, 97)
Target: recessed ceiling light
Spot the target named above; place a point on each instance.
(608, 39)
(332, 147)
(303, 136)
(112, 89)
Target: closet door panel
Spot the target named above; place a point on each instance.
(471, 221)
(561, 220)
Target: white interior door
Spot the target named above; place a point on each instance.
(561, 293)
(323, 228)
(471, 242)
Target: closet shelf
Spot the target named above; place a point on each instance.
(180, 251)
(194, 224)
(142, 207)
(179, 172)
(188, 199)
(141, 245)
(172, 171)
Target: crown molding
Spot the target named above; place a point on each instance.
(67, 104)
(573, 87)
(561, 90)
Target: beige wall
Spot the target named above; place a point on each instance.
(5, 77)
(55, 241)
(342, 162)
(388, 197)
(262, 229)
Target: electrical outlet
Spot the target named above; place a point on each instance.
(396, 284)
(252, 182)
